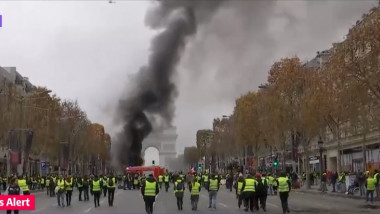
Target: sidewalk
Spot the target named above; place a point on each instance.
(315, 190)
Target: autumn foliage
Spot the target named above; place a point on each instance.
(53, 121)
(300, 103)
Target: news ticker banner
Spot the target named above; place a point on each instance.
(17, 202)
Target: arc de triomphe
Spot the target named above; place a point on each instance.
(165, 142)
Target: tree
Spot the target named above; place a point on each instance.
(203, 141)
(191, 155)
(295, 88)
(223, 142)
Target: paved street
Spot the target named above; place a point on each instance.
(131, 202)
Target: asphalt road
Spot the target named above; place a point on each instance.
(130, 201)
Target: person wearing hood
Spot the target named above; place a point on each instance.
(96, 190)
(261, 192)
(149, 190)
(239, 185)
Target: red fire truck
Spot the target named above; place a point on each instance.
(146, 170)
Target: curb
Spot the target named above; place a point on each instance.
(341, 195)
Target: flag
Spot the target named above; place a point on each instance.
(15, 157)
(1, 21)
(192, 171)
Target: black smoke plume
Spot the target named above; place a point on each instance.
(153, 93)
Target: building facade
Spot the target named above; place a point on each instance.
(10, 76)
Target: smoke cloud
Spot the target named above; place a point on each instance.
(235, 44)
(150, 101)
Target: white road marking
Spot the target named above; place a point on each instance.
(88, 210)
(272, 205)
(224, 205)
(101, 202)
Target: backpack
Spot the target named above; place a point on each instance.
(180, 186)
(110, 182)
(260, 187)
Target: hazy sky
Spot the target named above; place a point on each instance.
(85, 50)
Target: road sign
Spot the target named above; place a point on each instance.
(43, 165)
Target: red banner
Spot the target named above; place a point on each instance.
(17, 202)
(15, 157)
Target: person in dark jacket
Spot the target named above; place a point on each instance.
(149, 190)
(334, 178)
(13, 189)
(261, 192)
(361, 180)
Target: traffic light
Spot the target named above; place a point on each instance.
(153, 163)
(199, 167)
(275, 162)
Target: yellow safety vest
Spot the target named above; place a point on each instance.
(80, 184)
(166, 178)
(96, 186)
(271, 180)
(22, 184)
(195, 188)
(114, 183)
(61, 184)
(150, 188)
(42, 181)
(47, 182)
(283, 184)
(160, 177)
(249, 185)
(376, 177)
(135, 181)
(213, 185)
(239, 186)
(205, 178)
(371, 184)
(68, 185)
(175, 186)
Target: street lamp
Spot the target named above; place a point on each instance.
(320, 145)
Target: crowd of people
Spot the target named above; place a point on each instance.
(251, 189)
